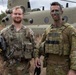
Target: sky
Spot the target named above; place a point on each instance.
(38, 4)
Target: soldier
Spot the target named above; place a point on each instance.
(20, 45)
(59, 45)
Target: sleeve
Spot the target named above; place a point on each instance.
(35, 52)
(41, 44)
(73, 49)
(37, 48)
(32, 37)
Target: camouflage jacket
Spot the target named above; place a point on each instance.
(69, 37)
(19, 43)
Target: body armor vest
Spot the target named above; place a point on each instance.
(19, 44)
(57, 41)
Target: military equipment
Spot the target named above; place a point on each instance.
(38, 19)
(54, 43)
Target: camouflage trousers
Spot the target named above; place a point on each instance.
(56, 70)
(57, 65)
(18, 68)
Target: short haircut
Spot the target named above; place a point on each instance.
(56, 3)
(17, 7)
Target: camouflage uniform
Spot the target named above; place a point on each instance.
(59, 49)
(20, 49)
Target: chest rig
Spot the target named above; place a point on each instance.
(55, 41)
(19, 44)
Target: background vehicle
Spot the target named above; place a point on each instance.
(38, 19)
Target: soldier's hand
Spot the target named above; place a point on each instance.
(37, 62)
(71, 72)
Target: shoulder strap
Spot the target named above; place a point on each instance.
(48, 29)
(65, 25)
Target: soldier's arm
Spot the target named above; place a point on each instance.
(43, 37)
(32, 39)
(42, 41)
(40, 47)
(73, 49)
(35, 51)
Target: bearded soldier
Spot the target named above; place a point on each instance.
(20, 44)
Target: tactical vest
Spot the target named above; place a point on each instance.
(19, 44)
(57, 41)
